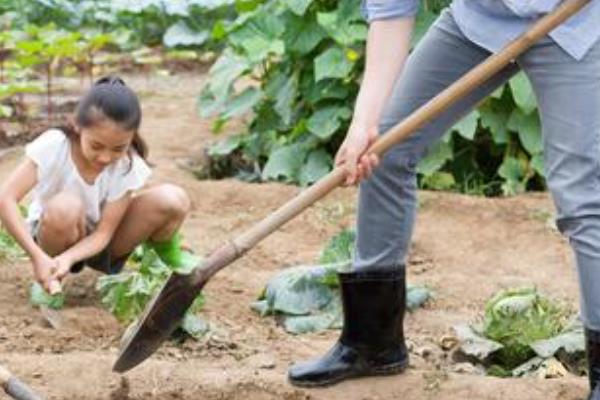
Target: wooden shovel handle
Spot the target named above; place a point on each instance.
(417, 119)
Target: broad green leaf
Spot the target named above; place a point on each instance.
(529, 129)
(472, 343)
(195, 326)
(513, 173)
(225, 147)
(494, 116)
(497, 94)
(297, 291)
(439, 181)
(246, 6)
(571, 340)
(339, 248)
(285, 99)
(326, 121)
(435, 159)
(302, 35)
(314, 92)
(317, 165)
(298, 6)
(308, 323)
(180, 34)
(38, 297)
(332, 63)
(284, 163)
(260, 36)
(523, 93)
(345, 25)
(537, 163)
(224, 72)
(242, 103)
(467, 126)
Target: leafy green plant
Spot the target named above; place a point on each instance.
(339, 248)
(516, 318)
(305, 298)
(520, 330)
(47, 47)
(126, 294)
(297, 65)
(306, 57)
(9, 249)
(39, 297)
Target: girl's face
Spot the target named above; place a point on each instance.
(104, 143)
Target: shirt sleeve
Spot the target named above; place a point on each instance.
(373, 10)
(43, 151)
(132, 177)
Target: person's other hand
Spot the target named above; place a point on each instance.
(63, 267)
(351, 154)
(43, 267)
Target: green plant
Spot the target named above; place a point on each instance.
(127, 293)
(516, 318)
(297, 65)
(39, 297)
(339, 248)
(47, 47)
(306, 57)
(9, 249)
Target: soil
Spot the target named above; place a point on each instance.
(465, 249)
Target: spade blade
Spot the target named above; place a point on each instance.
(160, 318)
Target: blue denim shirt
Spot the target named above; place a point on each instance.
(493, 23)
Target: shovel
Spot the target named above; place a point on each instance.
(164, 312)
(16, 388)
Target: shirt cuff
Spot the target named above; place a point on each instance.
(374, 10)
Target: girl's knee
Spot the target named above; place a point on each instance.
(174, 200)
(63, 218)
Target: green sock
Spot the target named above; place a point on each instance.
(171, 253)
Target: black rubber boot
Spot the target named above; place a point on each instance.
(372, 339)
(592, 347)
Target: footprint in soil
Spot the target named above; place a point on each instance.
(122, 392)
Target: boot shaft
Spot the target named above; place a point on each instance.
(374, 304)
(592, 346)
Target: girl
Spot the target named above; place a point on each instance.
(564, 69)
(84, 176)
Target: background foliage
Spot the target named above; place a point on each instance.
(296, 66)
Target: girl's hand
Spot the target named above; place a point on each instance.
(62, 268)
(351, 155)
(43, 267)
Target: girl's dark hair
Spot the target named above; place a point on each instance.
(110, 98)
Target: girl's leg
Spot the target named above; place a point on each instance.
(387, 200)
(155, 213)
(62, 223)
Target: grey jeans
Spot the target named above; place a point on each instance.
(568, 95)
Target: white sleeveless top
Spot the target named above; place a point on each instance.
(56, 171)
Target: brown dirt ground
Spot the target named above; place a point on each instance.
(465, 248)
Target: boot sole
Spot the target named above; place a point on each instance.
(391, 369)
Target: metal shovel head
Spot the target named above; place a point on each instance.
(52, 317)
(160, 318)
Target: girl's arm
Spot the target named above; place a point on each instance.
(18, 184)
(388, 43)
(89, 246)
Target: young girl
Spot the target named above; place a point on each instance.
(564, 70)
(85, 208)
